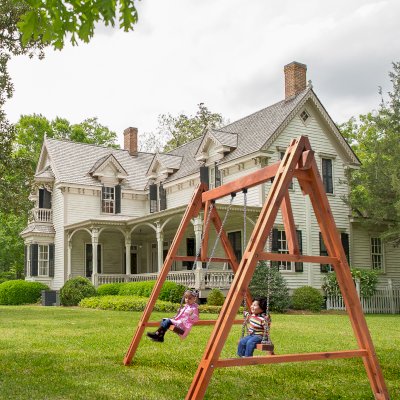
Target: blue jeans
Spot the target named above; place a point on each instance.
(247, 345)
(165, 323)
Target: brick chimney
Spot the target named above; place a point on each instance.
(295, 79)
(131, 141)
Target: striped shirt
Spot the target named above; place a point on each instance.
(256, 323)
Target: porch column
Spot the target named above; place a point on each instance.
(198, 230)
(95, 241)
(128, 254)
(69, 267)
(160, 239)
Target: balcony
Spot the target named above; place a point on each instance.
(41, 215)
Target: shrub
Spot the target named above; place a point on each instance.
(20, 292)
(307, 298)
(170, 291)
(134, 303)
(368, 282)
(279, 292)
(215, 298)
(74, 290)
(110, 289)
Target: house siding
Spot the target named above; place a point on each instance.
(59, 242)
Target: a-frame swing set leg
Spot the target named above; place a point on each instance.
(298, 162)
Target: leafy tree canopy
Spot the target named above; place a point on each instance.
(173, 132)
(50, 21)
(375, 187)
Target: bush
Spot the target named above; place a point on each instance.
(134, 303)
(20, 292)
(170, 291)
(215, 298)
(109, 289)
(279, 292)
(74, 290)
(307, 298)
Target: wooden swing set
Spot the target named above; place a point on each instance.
(298, 162)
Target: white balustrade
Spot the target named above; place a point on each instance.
(42, 215)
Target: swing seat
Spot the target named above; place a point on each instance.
(176, 329)
(268, 347)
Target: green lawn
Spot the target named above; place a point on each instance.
(59, 353)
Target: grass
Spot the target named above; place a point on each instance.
(59, 353)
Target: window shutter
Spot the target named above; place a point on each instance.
(153, 197)
(323, 252)
(163, 198)
(26, 260)
(217, 176)
(99, 258)
(275, 244)
(204, 175)
(34, 259)
(117, 199)
(41, 198)
(51, 260)
(103, 189)
(298, 266)
(327, 176)
(345, 243)
(44, 198)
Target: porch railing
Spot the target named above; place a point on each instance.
(196, 279)
(384, 301)
(41, 215)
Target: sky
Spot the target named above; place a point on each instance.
(228, 54)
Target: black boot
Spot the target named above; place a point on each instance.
(158, 335)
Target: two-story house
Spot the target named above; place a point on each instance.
(111, 214)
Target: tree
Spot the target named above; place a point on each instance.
(173, 132)
(375, 187)
(50, 21)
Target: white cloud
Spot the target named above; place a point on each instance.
(228, 53)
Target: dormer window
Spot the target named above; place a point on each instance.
(215, 176)
(305, 116)
(158, 198)
(111, 199)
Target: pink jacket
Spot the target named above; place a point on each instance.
(186, 317)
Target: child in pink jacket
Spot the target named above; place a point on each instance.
(184, 319)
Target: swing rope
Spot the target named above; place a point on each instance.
(233, 195)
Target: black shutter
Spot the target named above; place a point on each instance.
(103, 189)
(346, 246)
(46, 199)
(153, 197)
(163, 198)
(323, 252)
(217, 176)
(26, 260)
(99, 259)
(51, 260)
(34, 259)
(275, 244)
(298, 266)
(204, 177)
(327, 175)
(117, 199)
(41, 198)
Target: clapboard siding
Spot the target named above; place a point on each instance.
(113, 249)
(81, 207)
(79, 241)
(59, 242)
(179, 195)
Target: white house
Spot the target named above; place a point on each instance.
(110, 215)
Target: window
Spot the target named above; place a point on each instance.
(280, 245)
(304, 116)
(344, 237)
(282, 153)
(327, 175)
(158, 198)
(44, 198)
(236, 241)
(377, 253)
(215, 176)
(108, 200)
(43, 260)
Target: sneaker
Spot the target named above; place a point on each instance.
(154, 336)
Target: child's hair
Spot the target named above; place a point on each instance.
(191, 292)
(263, 303)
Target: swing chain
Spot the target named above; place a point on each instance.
(220, 230)
(266, 337)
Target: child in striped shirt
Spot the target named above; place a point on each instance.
(257, 320)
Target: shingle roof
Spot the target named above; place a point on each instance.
(39, 228)
(45, 173)
(72, 161)
(169, 160)
(225, 138)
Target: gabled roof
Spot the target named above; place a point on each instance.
(71, 162)
(166, 162)
(45, 174)
(226, 141)
(103, 162)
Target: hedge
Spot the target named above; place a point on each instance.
(110, 289)
(170, 291)
(21, 292)
(74, 290)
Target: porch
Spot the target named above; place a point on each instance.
(200, 279)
